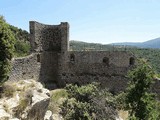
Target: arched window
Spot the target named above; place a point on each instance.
(131, 61)
(38, 58)
(72, 58)
(106, 60)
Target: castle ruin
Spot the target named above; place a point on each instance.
(53, 64)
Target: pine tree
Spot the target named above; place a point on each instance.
(6, 49)
(140, 100)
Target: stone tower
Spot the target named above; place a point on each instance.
(49, 42)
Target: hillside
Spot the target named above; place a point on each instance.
(154, 43)
(22, 45)
(79, 45)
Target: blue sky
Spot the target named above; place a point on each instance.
(98, 21)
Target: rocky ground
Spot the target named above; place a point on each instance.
(24, 100)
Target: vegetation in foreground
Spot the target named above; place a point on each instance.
(57, 98)
(89, 102)
(7, 40)
(139, 100)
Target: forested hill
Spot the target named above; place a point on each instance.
(154, 43)
(79, 45)
(22, 45)
(150, 54)
(20, 34)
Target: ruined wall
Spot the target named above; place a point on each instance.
(49, 37)
(25, 68)
(52, 63)
(108, 68)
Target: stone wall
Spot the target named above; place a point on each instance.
(25, 68)
(108, 68)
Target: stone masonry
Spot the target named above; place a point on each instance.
(53, 64)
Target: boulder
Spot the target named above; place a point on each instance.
(4, 115)
(48, 115)
(57, 117)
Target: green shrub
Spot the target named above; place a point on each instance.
(139, 100)
(7, 40)
(87, 103)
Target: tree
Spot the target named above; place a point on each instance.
(6, 49)
(22, 45)
(140, 100)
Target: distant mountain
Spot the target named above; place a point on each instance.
(154, 43)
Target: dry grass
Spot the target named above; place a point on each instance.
(8, 89)
(123, 114)
(25, 100)
(57, 97)
(25, 91)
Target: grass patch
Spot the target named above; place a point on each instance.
(25, 100)
(123, 114)
(57, 94)
(9, 89)
(57, 97)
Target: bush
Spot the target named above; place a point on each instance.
(87, 103)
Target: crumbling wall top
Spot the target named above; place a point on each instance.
(49, 37)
